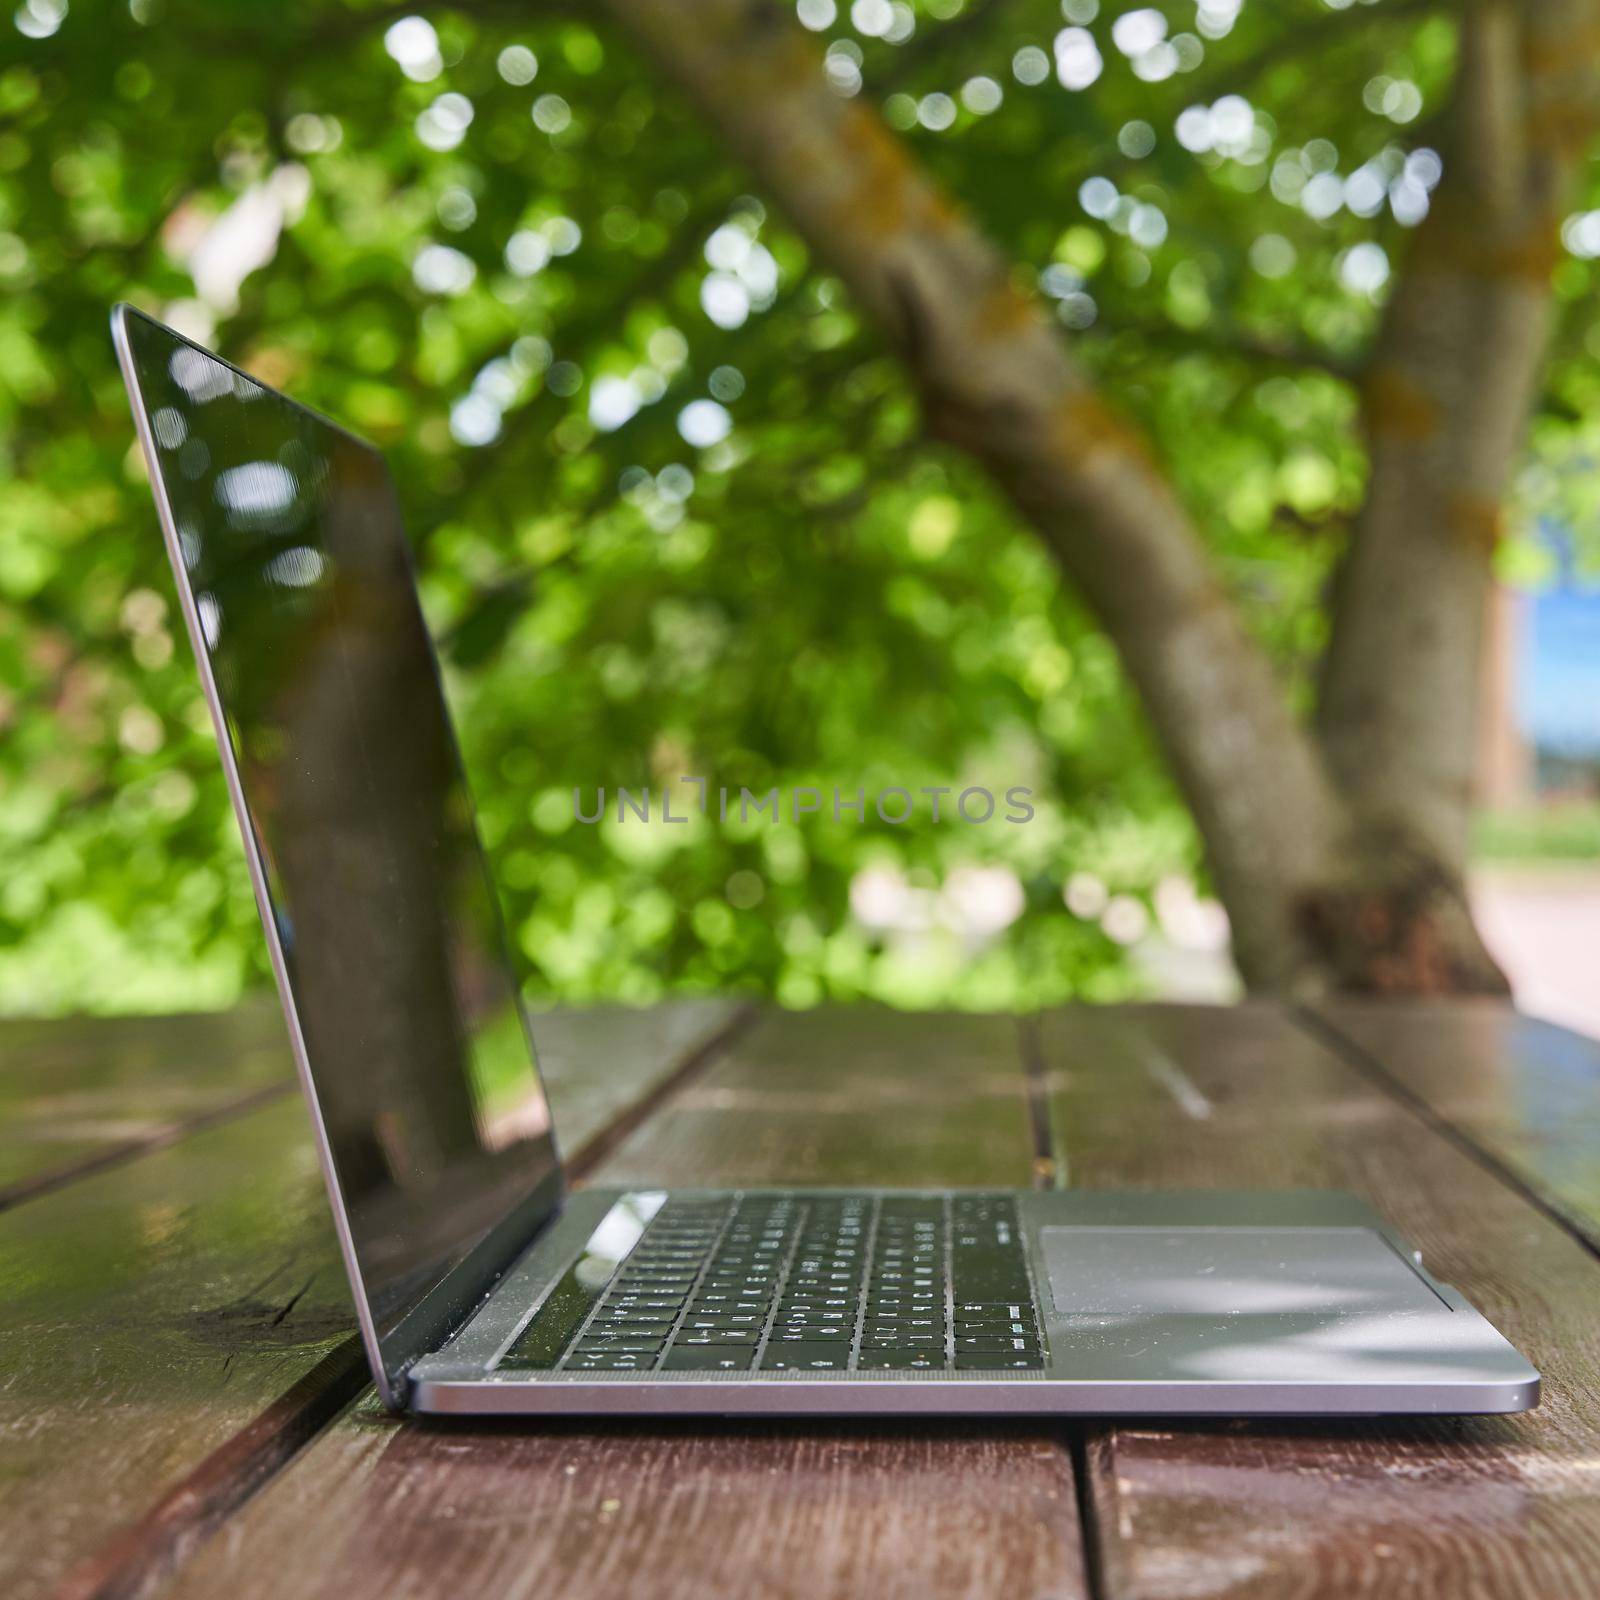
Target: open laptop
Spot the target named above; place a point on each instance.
(481, 1285)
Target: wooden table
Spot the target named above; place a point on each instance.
(183, 1412)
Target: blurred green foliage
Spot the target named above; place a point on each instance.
(670, 503)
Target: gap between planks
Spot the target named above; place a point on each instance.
(1049, 1157)
(1368, 1066)
(131, 1563)
(1080, 1439)
(118, 1155)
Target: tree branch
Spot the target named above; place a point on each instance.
(935, 42)
(997, 379)
(1308, 37)
(1231, 340)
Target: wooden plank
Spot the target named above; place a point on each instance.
(79, 1095)
(154, 1315)
(1523, 1092)
(605, 1065)
(847, 1095)
(150, 1313)
(376, 1507)
(1185, 1097)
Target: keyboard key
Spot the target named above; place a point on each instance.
(900, 1358)
(811, 1357)
(640, 1327)
(706, 1358)
(997, 1361)
(608, 1361)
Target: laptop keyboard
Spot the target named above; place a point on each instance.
(803, 1283)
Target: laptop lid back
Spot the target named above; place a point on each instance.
(392, 962)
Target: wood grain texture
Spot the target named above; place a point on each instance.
(147, 1315)
(1185, 1097)
(154, 1313)
(1524, 1092)
(79, 1095)
(607, 1065)
(658, 1512)
(847, 1095)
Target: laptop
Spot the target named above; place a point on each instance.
(481, 1284)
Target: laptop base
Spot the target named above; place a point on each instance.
(1296, 1304)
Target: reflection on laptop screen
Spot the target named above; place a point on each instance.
(290, 535)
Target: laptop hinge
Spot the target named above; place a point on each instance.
(455, 1299)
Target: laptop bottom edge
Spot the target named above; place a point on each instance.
(946, 1395)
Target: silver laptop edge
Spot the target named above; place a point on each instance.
(444, 1305)
(1255, 1331)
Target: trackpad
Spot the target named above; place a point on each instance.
(1127, 1271)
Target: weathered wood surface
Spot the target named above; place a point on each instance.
(151, 1327)
(154, 1313)
(1522, 1092)
(603, 1062)
(847, 1096)
(694, 1510)
(83, 1094)
(1177, 1097)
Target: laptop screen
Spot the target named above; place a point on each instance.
(289, 537)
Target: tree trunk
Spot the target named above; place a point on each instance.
(997, 379)
(1319, 894)
(1445, 407)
